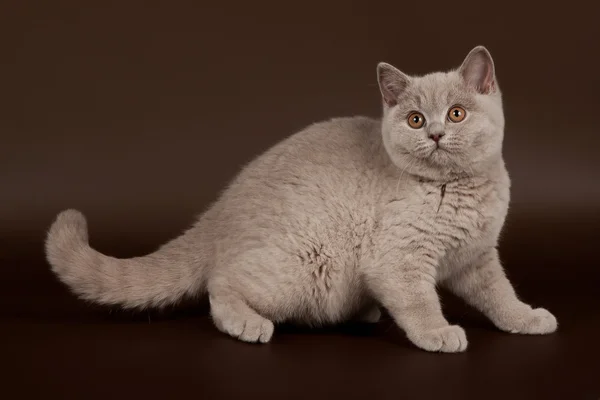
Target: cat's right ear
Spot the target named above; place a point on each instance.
(392, 82)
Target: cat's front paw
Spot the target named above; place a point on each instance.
(448, 339)
(537, 321)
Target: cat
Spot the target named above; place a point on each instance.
(341, 219)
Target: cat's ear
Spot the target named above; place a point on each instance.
(392, 83)
(478, 70)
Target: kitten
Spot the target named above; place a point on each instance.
(342, 218)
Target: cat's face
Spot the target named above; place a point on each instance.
(443, 124)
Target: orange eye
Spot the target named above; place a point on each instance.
(457, 114)
(416, 120)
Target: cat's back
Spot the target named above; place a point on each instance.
(315, 179)
(316, 157)
(334, 144)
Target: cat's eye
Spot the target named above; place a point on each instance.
(416, 120)
(457, 114)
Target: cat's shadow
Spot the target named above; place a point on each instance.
(455, 310)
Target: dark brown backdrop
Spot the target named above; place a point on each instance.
(138, 113)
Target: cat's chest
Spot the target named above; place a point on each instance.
(456, 214)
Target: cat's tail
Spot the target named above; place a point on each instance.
(175, 270)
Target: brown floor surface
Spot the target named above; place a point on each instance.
(58, 347)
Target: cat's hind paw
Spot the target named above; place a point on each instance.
(253, 329)
(448, 339)
(232, 316)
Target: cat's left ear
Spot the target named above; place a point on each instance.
(477, 70)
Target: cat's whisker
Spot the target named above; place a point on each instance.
(398, 185)
(407, 166)
(469, 165)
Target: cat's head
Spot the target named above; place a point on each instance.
(444, 124)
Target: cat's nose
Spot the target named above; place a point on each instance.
(436, 136)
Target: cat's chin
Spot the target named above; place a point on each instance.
(438, 164)
(436, 158)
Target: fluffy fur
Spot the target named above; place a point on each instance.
(342, 218)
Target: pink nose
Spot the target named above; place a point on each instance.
(436, 137)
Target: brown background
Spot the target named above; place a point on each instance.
(138, 113)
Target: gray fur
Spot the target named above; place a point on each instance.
(337, 220)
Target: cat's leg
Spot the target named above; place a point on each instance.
(250, 288)
(484, 285)
(405, 286)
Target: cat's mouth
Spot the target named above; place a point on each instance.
(437, 148)
(436, 154)
(439, 154)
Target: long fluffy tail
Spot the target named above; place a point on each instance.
(158, 279)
